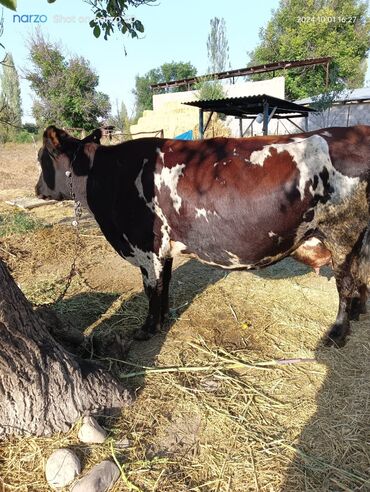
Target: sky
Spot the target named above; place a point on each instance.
(175, 30)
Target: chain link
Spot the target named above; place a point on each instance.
(77, 209)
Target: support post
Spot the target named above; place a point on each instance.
(265, 117)
(240, 127)
(201, 124)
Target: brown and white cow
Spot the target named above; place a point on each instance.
(235, 203)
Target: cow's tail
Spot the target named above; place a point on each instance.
(364, 257)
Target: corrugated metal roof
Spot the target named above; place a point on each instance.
(361, 94)
(249, 105)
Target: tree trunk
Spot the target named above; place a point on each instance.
(44, 388)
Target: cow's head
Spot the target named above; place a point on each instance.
(58, 152)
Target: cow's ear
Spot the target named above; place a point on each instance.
(95, 137)
(54, 138)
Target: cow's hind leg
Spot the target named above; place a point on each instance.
(358, 305)
(341, 328)
(167, 271)
(155, 284)
(352, 274)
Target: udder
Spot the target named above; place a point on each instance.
(313, 253)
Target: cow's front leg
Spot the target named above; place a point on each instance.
(153, 285)
(167, 271)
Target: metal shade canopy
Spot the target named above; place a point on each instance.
(249, 107)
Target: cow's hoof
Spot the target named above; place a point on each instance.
(337, 335)
(142, 335)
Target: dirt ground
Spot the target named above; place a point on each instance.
(217, 408)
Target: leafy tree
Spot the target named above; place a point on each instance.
(218, 46)
(10, 89)
(300, 30)
(165, 73)
(65, 89)
(109, 15)
(10, 100)
(11, 4)
(218, 56)
(6, 129)
(44, 364)
(121, 120)
(210, 89)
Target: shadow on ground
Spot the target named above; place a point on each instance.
(331, 452)
(112, 333)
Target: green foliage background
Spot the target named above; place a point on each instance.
(65, 89)
(317, 28)
(165, 73)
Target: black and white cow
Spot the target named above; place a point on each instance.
(235, 203)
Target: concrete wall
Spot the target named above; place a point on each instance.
(341, 115)
(174, 118)
(348, 114)
(273, 87)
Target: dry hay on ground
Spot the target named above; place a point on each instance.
(214, 419)
(18, 169)
(216, 425)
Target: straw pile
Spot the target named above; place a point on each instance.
(217, 409)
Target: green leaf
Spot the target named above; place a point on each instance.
(92, 23)
(10, 4)
(96, 31)
(138, 26)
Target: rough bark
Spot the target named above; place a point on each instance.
(44, 388)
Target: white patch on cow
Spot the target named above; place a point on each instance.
(177, 247)
(160, 153)
(312, 242)
(148, 260)
(311, 156)
(139, 183)
(201, 212)
(169, 176)
(234, 264)
(235, 152)
(215, 164)
(165, 247)
(234, 259)
(272, 234)
(326, 134)
(153, 205)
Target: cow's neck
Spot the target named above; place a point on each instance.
(79, 189)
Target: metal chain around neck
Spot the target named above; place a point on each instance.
(77, 204)
(77, 242)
